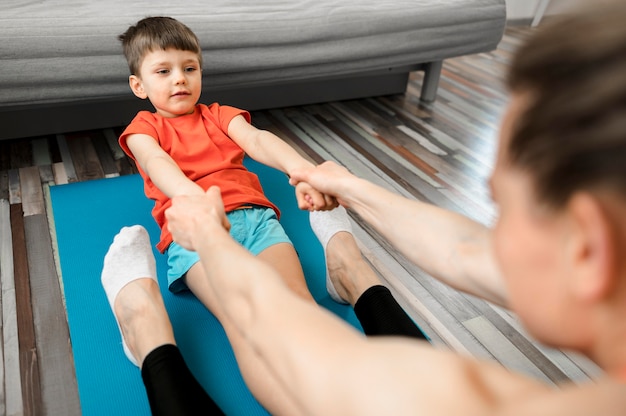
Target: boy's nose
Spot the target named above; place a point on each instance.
(180, 78)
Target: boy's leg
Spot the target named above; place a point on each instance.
(258, 377)
(271, 247)
(284, 259)
(129, 280)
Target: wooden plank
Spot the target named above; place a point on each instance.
(397, 171)
(53, 147)
(328, 146)
(570, 364)
(126, 166)
(11, 391)
(54, 242)
(41, 152)
(4, 303)
(46, 174)
(85, 158)
(103, 151)
(29, 365)
(21, 154)
(522, 342)
(32, 195)
(4, 185)
(15, 196)
(293, 135)
(112, 141)
(5, 155)
(66, 157)
(57, 374)
(503, 349)
(60, 175)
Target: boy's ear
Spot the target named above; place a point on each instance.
(593, 248)
(137, 87)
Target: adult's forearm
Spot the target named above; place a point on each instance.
(445, 244)
(290, 335)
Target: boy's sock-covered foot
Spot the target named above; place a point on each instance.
(129, 258)
(325, 225)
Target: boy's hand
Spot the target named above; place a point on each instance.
(311, 199)
(193, 217)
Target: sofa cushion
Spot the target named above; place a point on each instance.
(54, 51)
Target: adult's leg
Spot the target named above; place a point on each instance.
(128, 277)
(350, 278)
(171, 387)
(380, 314)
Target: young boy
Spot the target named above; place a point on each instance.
(185, 147)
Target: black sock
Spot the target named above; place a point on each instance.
(171, 387)
(380, 314)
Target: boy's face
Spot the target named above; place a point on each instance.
(171, 79)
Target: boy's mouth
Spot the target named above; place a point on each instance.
(180, 93)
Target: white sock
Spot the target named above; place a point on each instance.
(325, 225)
(129, 258)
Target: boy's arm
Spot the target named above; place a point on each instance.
(265, 147)
(160, 167)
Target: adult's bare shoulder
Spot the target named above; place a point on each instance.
(601, 397)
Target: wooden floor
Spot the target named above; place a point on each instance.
(442, 153)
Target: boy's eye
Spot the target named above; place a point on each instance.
(190, 69)
(163, 71)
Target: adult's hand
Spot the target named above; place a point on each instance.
(309, 199)
(329, 178)
(195, 216)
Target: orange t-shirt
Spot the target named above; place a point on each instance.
(200, 145)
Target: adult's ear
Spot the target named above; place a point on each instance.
(592, 248)
(137, 87)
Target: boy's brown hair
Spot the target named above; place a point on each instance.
(153, 33)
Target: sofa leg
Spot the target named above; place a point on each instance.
(432, 72)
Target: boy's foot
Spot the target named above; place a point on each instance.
(325, 225)
(129, 280)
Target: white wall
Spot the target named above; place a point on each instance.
(521, 9)
(525, 9)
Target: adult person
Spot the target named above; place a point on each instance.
(554, 255)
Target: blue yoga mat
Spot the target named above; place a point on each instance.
(87, 215)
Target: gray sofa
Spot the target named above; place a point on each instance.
(62, 69)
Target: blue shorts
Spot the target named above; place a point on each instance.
(255, 228)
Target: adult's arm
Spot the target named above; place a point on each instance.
(445, 244)
(323, 364)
